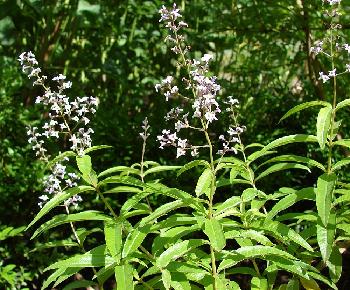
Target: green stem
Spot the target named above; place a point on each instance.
(330, 143)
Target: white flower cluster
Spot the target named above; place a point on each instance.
(65, 117)
(204, 88)
(171, 139)
(170, 17)
(57, 182)
(233, 138)
(322, 46)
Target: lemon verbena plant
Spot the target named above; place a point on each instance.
(226, 225)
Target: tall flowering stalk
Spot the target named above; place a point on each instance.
(66, 117)
(200, 91)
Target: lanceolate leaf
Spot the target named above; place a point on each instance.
(98, 147)
(343, 142)
(324, 194)
(334, 264)
(79, 284)
(282, 166)
(113, 237)
(84, 164)
(282, 141)
(160, 169)
(213, 229)
(119, 169)
(234, 257)
(325, 236)
(176, 251)
(303, 106)
(192, 164)
(62, 273)
(132, 201)
(305, 193)
(160, 211)
(248, 234)
(124, 277)
(97, 257)
(309, 284)
(258, 284)
(323, 124)
(134, 240)
(282, 232)
(204, 182)
(342, 104)
(58, 199)
(341, 163)
(64, 218)
(228, 204)
(296, 158)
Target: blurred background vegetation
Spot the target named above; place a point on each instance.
(115, 50)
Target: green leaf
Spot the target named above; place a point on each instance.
(234, 257)
(258, 284)
(286, 202)
(293, 284)
(85, 167)
(192, 164)
(282, 232)
(228, 204)
(281, 142)
(342, 104)
(177, 250)
(113, 237)
(250, 235)
(160, 169)
(282, 166)
(323, 124)
(84, 164)
(97, 257)
(123, 169)
(124, 277)
(134, 240)
(295, 158)
(91, 215)
(303, 106)
(213, 229)
(60, 275)
(98, 147)
(343, 142)
(341, 163)
(324, 195)
(160, 211)
(123, 189)
(309, 284)
(57, 199)
(166, 279)
(132, 201)
(79, 284)
(249, 194)
(204, 182)
(325, 236)
(334, 264)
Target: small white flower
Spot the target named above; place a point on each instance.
(207, 57)
(332, 73)
(323, 77)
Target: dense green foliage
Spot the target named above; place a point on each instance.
(115, 50)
